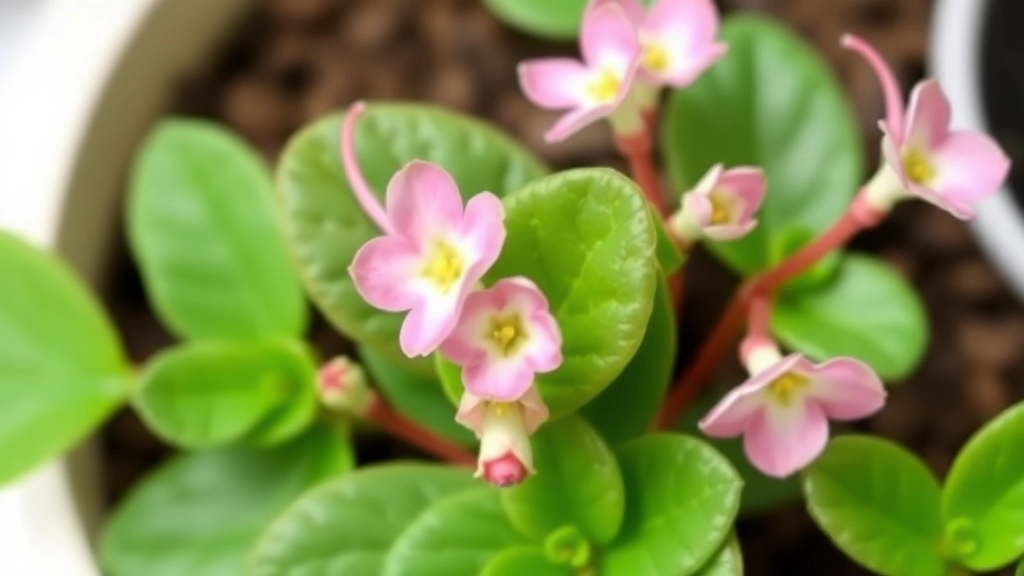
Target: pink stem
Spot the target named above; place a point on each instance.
(890, 88)
(360, 188)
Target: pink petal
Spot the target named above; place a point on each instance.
(727, 232)
(471, 413)
(501, 381)
(423, 201)
(482, 233)
(748, 184)
(699, 207)
(576, 120)
(608, 38)
(890, 87)
(689, 65)
(554, 83)
(535, 412)
(687, 30)
(846, 389)
(927, 116)
(545, 351)
(464, 345)
(384, 271)
(429, 324)
(971, 167)
(779, 442)
(731, 416)
(635, 11)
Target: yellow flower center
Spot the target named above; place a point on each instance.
(785, 388)
(655, 57)
(499, 408)
(507, 333)
(444, 267)
(722, 207)
(918, 167)
(605, 86)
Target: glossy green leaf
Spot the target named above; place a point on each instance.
(626, 407)
(556, 20)
(323, 221)
(586, 237)
(770, 102)
(523, 561)
(62, 370)
(867, 311)
(201, 513)
(681, 500)
(728, 561)
(983, 501)
(578, 483)
(792, 239)
(347, 526)
(201, 226)
(879, 504)
(458, 535)
(207, 393)
(669, 257)
(419, 397)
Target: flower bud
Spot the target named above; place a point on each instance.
(505, 455)
(342, 386)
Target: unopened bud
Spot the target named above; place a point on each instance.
(342, 386)
(505, 455)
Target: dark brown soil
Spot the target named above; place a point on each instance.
(294, 60)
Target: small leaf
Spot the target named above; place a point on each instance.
(523, 561)
(577, 483)
(62, 369)
(458, 535)
(728, 561)
(867, 311)
(201, 226)
(983, 501)
(200, 513)
(681, 500)
(555, 20)
(770, 102)
(325, 225)
(347, 526)
(879, 504)
(208, 393)
(626, 407)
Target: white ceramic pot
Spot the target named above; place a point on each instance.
(91, 77)
(955, 58)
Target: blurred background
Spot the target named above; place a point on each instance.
(80, 80)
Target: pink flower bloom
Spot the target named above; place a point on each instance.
(432, 253)
(783, 410)
(342, 386)
(678, 37)
(591, 89)
(722, 205)
(950, 169)
(506, 335)
(504, 430)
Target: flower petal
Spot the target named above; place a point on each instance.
(482, 233)
(970, 167)
(779, 442)
(686, 30)
(608, 39)
(748, 185)
(423, 201)
(471, 413)
(731, 416)
(927, 115)
(535, 412)
(428, 324)
(464, 345)
(384, 271)
(846, 389)
(699, 208)
(727, 232)
(497, 380)
(576, 120)
(554, 83)
(890, 87)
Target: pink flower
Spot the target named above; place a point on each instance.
(432, 253)
(342, 386)
(678, 37)
(722, 205)
(504, 430)
(783, 410)
(950, 169)
(506, 335)
(591, 89)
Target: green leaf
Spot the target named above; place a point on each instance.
(555, 20)
(200, 514)
(792, 239)
(347, 526)
(770, 102)
(670, 258)
(419, 397)
(323, 221)
(201, 226)
(62, 370)
(879, 504)
(867, 311)
(1020, 569)
(586, 237)
(983, 501)
(523, 561)
(626, 407)
(681, 500)
(207, 393)
(458, 535)
(728, 561)
(577, 483)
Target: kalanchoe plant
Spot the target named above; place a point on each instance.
(529, 317)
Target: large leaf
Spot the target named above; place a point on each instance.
(879, 504)
(347, 526)
(524, 561)
(586, 237)
(62, 370)
(201, 513)
(626, 407)
(728, 561)
(208, 393)
(681, 499)
(201, 226)
(578, 483)
(323, 221)
(983, 501)
(866, 311)
(773, 103)
(557, 20)
(458, 535)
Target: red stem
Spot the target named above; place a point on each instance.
(638, 150)
(759, 317)
(397, 425)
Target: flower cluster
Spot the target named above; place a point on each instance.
(429, 263)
